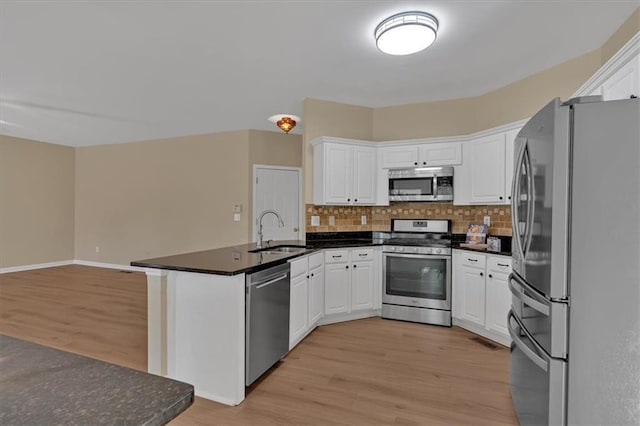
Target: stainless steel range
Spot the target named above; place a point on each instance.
(416, 267)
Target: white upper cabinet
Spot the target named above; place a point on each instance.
(486, 173)
(363, 188)
(344, 173)
(440, 154)
(399, 157)
(421, 155)
(624, 83)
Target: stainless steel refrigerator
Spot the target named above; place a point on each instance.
(575, 317)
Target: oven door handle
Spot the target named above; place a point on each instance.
(417, 256)
(529, 353)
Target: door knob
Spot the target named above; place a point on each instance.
(295, 229)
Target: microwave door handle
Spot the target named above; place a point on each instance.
(515, 201)
(515, 338)
(536, 302)
(434, 186)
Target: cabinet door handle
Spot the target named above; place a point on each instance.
(362, 254)
(472, 260)
(311, 274)
(355, 266)
(503, 265)
(346, 267)
(481, 274)
(348, 199)
(355, 200)
(307, 276)
(490, 276)
(337, 257)
(424, 163)
(415, 164)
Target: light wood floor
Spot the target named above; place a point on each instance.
(364, 372)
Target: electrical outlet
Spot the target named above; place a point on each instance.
(97, 249)
(363, 219)
(237, 208)
(332, 220)
(236, 217)
(315, 220)
(487, 220)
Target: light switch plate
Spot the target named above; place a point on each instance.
(236, 217)
(315, 220)
(332, 220)
(363, 219)
(487, 220)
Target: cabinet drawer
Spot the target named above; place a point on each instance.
(315, 260)
(362, 254)
(499, 264)
(299, 266)
(336, 256)
(473, 260)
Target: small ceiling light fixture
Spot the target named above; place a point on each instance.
(406, 33)
(285, 122)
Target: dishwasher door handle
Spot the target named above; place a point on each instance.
(266, 283)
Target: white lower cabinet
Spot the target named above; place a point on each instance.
(481, 297)
(353, 279)
(307, 296)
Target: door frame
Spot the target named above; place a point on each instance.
(254, 213)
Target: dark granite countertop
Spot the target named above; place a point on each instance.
(224, 261)
(45, 386)
(505, 245)
(239, 259)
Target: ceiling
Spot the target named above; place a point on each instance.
(82, 73)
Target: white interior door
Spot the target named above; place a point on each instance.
(277, 188)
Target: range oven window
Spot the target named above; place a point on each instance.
(411, 186)
(416, 277)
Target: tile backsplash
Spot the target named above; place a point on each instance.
(348, 218)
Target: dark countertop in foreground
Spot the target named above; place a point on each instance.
(456, 245)
(238, 259)
(45, 386)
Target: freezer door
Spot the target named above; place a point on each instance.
(540, 200)
(537, 381)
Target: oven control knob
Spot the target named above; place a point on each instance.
(400, 249)
(437, 251)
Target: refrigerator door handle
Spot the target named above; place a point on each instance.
(515, 200)
(515, 338)
(536, 302)
(531, 192)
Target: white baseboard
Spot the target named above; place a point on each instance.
(35, 266)
(70, 262)
(334, 318)
(108, 265)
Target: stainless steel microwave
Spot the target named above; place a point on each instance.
(421, 184)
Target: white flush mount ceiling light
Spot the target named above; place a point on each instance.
(406, 33)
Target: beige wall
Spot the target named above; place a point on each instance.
(507, 104)
(170, 196)
(323, 118)
(623, 34)
(161, 197)
(272, 149)
(36, 202)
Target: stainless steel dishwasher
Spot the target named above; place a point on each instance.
(267, 319)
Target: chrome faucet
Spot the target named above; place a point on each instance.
(280, 224)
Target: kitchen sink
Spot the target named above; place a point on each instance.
(279, 249)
